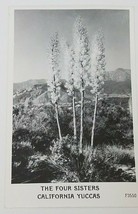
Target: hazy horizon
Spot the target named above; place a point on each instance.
(33, 29)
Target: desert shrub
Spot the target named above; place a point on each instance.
(61, 163)
(56, 166)
(41, 169)
(21, 151)
(21, 134)
(40, 141)
(113, 125)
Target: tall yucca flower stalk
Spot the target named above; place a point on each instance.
(97, 75)
(82, 63)
(69, 55)
(54, 83)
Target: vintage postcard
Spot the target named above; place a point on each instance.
(71, 120)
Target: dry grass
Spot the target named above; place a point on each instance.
(106, 163)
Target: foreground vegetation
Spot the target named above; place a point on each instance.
(39, 156)
(63, 164)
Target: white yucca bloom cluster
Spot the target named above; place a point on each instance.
(98, 63)
(70, 67)
(82, 53)
(54, 60)
(54, 89)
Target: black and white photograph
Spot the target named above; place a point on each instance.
(72, 113)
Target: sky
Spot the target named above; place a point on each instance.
(33, 29)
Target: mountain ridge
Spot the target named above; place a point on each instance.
(36, 91)
(118, 75)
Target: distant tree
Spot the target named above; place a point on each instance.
(54, 83)
(97, 74)
(82, 63)
(69, 55)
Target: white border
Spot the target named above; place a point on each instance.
(112, 194)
